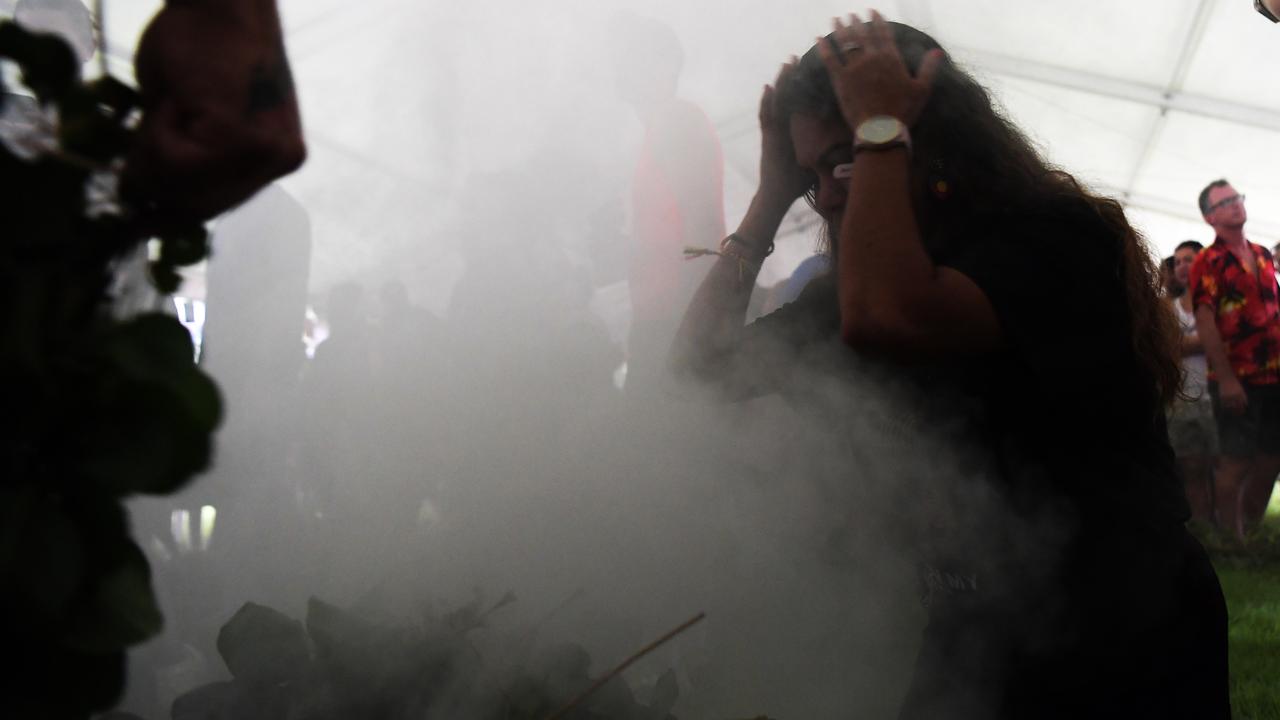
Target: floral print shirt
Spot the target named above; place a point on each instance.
(1246, 309)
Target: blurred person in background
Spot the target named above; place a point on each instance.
(1086, 596)
(677, 192)
(1192, 431)
(256, 297)
(506, 308)
(1233, 289)
(339, 407)
(1169, 278)
(412, 368)
(407, 334)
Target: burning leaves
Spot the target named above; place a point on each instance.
(339, 664)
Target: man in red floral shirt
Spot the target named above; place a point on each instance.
(1234, 291)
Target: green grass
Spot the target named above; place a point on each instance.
(1251, 584)
(1253, 607)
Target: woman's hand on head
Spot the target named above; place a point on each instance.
(869, 75)
(781, 179)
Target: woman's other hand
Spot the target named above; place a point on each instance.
(781, 179)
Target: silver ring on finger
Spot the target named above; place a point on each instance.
(849, 46)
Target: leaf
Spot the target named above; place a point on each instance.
(17, 503)
(144, 439)
(156, 349)
(525, 697)
(120, 610)
(49, 564)
(186, 247)
(370, 667)
(465, 618)
(357, 653)
(565, 670)
(92, 135)
(236, 701)
(114, 94)
(49, 65)
(148, 429)
(332, 629)
(152, 344)
(89, 128)
(201, 399)
(58, 682)
(166, 279)
(614, 699)
(666, 691)
(263, 646)
(207, 702)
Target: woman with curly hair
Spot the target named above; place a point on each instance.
(1087, 598)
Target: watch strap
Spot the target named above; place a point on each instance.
(875, 126)
(881, 147)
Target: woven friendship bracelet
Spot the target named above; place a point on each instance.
(732, 247)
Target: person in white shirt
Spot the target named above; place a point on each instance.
(1192, 431)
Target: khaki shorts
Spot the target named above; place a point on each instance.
(1192, 430)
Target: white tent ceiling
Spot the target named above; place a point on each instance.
(404, 100)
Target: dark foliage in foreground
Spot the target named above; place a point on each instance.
(96, 408)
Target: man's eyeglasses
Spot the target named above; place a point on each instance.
(1226, 202)
(1264, 12)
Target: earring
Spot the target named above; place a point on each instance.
(939, 184)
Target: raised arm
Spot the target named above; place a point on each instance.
(708, 345)
(893, 299)
(709, 340)
(1230, 390)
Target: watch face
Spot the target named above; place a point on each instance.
(879, 129)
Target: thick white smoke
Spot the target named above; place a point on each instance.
(461, 429)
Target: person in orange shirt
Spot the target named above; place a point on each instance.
(1233, 289)
(1081, 593)
(677, 193)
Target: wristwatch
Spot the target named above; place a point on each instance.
(881, 132)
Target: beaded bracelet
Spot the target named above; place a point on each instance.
(728, 250)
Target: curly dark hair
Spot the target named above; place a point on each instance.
(992, 169)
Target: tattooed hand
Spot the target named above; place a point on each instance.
(220, 119)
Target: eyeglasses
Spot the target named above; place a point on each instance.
(1226, 202)
(1264, 12)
